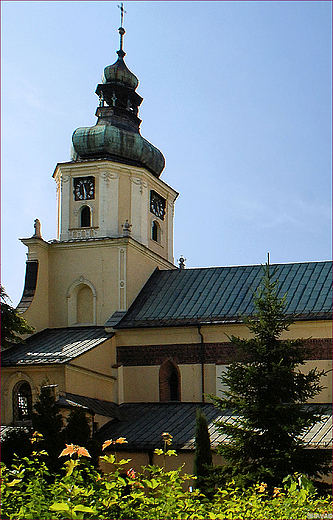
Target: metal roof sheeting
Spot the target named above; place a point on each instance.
(142, 424)
(55, 346)
(225, 294)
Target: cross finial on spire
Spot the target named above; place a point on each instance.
(121, 31)
(122, 11)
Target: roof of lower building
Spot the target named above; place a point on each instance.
(225, 294)
(55, 346)
(142, 424)
(98, 406)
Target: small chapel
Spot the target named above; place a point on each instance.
(138, 341)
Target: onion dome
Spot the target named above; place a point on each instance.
(116, 135)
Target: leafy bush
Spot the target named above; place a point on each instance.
(84, 493)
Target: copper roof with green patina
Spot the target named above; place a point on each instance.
(225, 294)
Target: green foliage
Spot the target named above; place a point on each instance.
(83, 493)
(47, 420)
(267, 393)
(78, 432)
(203, 456)
(13, 326)
(17, 442)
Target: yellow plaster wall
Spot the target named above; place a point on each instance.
(157, 336)
(90, 384)
(190, 383)
(309, 329)
(36, 376)
(124, 205)
(210, 380)
(299, 329)
(92, 261)
(100, 359)
(141, 384)
(325, 395)
(62, 264)
(215, 333)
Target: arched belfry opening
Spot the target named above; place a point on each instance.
(85, 217)
(156, 232)
(169, 382)
(22, 401)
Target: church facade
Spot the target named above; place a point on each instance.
(120, 329)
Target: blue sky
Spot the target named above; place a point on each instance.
(237, 96)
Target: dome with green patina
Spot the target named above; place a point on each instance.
(120, 73)
(116, 135)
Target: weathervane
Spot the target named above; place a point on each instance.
(121, 30)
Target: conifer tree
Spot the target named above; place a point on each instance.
(267, 393)
(48, 421)
(203, 455)
(78, 432)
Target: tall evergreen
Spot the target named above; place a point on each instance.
(79, 432)
(203, 455)
(48, 421)
(267, 393)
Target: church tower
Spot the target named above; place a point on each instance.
(115, 216)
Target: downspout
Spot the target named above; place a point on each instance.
(202, 362)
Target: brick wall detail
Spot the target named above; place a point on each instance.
(189, 353)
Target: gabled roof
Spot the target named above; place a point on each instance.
(55, 346)
(142, 424)
(225, 294)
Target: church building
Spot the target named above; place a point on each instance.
(122, 331)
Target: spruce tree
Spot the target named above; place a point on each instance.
(78, 432)
(267, 393)
(203, 455)
(47, 420)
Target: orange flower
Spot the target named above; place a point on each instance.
(72, 449)
(121, 440)
(131, 473)
(276, 492)
(262, 487)
(106, 444)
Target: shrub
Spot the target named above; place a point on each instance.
(84, 493)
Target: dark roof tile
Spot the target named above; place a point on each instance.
(142, 425)
(55, 346)
(189, 296)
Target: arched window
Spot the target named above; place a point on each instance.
(22, 401)
(85, 217)
(156, 232)
(169, 379)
